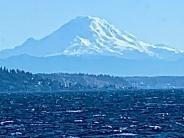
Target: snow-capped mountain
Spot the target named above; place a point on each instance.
(92, 36)
(92, 45)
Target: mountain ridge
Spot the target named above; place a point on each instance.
(95, 65)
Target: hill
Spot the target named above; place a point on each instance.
(17, 80)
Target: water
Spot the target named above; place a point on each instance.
(93, 114)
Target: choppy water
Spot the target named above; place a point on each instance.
(93, 114)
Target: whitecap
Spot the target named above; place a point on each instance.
(125, 134)
(74, 111)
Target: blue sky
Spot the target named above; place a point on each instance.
(154, 21)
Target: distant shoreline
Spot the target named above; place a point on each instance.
(125, 90)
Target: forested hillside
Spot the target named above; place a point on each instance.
(89, 81)
(18, 80)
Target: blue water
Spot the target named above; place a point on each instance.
(93, 114)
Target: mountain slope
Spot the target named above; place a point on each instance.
(92, 36)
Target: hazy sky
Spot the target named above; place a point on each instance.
(154, 21)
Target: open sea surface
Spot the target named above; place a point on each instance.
(143, 113)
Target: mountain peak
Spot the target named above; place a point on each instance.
(90, 21)
(88, 18)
